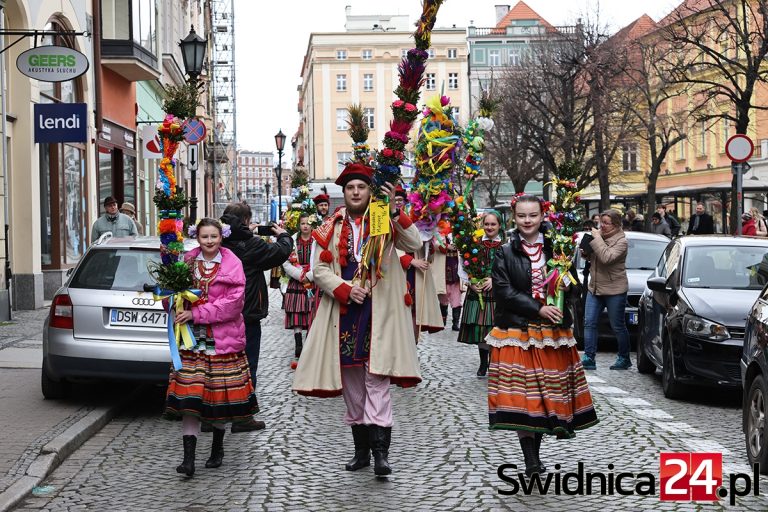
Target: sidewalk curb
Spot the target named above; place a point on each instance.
(57, 450)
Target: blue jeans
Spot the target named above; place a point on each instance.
(594, 306)
(252, 347)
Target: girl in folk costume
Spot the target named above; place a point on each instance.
(536, 382)
(298, 300)
(477, 319)
(361, 339)
(214, 384)
(447, 282)
(425, 307)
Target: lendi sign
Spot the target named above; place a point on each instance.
(52, 63)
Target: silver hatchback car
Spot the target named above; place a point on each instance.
(104, 323)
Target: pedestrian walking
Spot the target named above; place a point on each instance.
(447, 281)
(660, 226)
(119, 224)
(607, 289)
(477, 320)
(361, 339)
(298, 300)
(213, 385)
(671, 220)
(701, 223)
(130, 210)
(536, 383)
(257, 256)
(761, 227)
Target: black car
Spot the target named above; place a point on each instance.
(754, 372)
(643, 253)
(694, 309)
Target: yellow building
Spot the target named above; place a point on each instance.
(359, 65)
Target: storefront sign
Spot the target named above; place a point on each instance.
(52, 63)
(61, 122)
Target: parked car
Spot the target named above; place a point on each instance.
(644, 251)
(104, 322)
(693, 312)
(754, 378)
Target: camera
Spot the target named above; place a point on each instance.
(584, 244)
(265, 230)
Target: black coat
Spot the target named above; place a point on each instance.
(511, 276)
(706, 225)
(257, 256)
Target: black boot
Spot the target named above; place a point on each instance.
(484, 353)
(380, 437)
(362, 456)
(456, 312)
(217, 449)
(188, 466)
(297, 339)
(444, 312)
(537, 438)
(528, 445)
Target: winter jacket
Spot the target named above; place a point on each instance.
(123, 226)
(749, 228)
(662, 228)
(511, 276)
(257, 257)
(607, 269)
(706, 225)
(674, 224)
(222, 311)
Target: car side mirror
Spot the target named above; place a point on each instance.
(658, 284)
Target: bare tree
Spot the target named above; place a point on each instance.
(647, 92)
(507, 153)
(725, 43)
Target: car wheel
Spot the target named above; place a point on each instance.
(644, 363)
(672, 388)
(755, 431)
(52, 389)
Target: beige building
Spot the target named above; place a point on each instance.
(359, 65)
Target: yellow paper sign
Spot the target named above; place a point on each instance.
(379, 215)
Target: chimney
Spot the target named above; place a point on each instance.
(501, 11)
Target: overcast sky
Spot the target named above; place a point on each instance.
(272, 37)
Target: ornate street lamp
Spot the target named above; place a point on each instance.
(193, 49)
(280, 144)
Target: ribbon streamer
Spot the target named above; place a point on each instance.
(178, 333)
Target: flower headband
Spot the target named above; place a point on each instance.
(545, 205)
(226, 230)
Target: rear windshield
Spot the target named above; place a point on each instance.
(115, 269)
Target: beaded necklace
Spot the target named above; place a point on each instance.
(205, 273)
(535, 253)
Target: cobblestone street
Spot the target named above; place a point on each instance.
(443, 455)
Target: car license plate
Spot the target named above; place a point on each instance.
(138, 318)
(632, 318)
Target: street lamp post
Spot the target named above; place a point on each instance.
(280, 144)
(193, 52)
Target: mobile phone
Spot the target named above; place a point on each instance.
(265, 230)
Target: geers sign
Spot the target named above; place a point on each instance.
(52, 63)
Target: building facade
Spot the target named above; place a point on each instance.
(359, 65)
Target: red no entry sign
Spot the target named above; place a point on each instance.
(194, 130)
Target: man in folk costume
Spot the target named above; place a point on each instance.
(322, 203)
(425, 307)
(361, 339)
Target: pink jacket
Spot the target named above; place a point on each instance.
(226, 296)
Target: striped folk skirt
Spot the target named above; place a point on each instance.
(476, 321)
(213, 388)
(297, 305)
(536, 382)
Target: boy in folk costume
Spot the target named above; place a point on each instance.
(361, 339)
(322, 203)
(425, 307)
